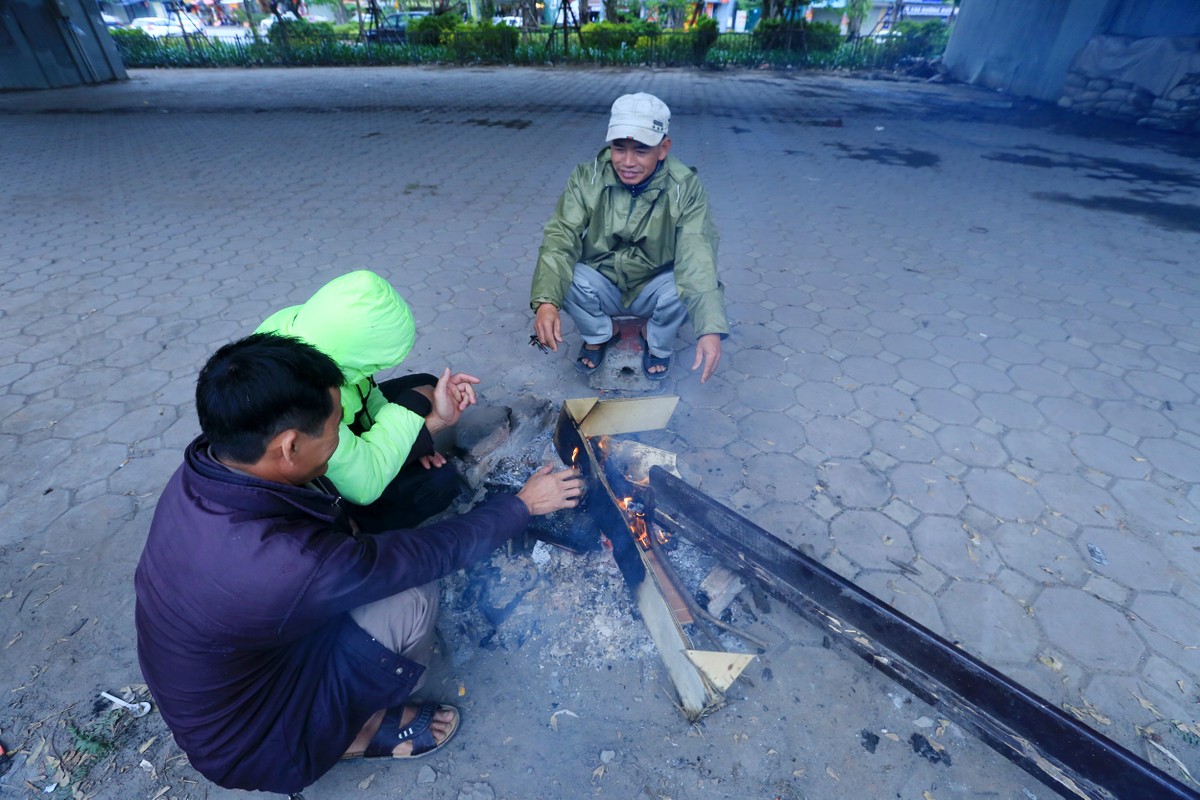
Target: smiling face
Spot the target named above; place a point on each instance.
(634, 161)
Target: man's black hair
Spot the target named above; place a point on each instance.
(253, 389)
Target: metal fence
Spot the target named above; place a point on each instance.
(527, 48)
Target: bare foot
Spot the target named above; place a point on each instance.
(445, 720)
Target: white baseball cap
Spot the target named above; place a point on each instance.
(639, 116)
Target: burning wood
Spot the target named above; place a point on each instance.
(619, 497)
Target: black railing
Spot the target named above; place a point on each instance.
(668, 48)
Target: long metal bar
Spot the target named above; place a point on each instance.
(1056, 749)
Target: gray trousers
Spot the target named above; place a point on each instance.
(404, 623)
(593, 300)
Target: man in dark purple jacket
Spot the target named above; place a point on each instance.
(275, 638)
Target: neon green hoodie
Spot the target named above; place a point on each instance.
(364, 325)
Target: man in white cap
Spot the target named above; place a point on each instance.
(632, 235)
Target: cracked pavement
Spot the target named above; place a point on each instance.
(964, 364)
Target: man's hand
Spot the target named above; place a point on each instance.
(433, 460)
(547, 492)
(708, 353)
(547, 324)
(452, 394)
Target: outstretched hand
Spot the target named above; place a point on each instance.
(547, 324)
(547, 491)
(452, 394)
(708, 353)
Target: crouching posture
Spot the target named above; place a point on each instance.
(274, 634)
(632, 235)
(385, 461)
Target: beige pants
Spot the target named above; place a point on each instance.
(404, 623)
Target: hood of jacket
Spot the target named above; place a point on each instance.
(358, 320)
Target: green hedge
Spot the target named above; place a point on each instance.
(135, 45)
(432, 30)
(706, 32)
(797, 36)
(299, 33)
(615, 35)
(484, 42)
(921, 39)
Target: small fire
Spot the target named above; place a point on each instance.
(635, 512)
(574, 456)
(634, 507)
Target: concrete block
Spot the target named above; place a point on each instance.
(722, 587)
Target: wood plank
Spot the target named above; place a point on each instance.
(1058, 750)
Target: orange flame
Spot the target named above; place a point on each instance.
(574, 455)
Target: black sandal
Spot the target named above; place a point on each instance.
(391, 733)
(594, 356)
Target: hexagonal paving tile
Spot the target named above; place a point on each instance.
(1110, 643)
(990, 624)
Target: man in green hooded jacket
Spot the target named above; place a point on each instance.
(385, 461)
(632, 235)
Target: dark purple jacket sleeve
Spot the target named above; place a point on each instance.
(370, 567)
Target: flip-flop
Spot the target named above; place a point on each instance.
(594, 356)
(650, 360)
(391, 733)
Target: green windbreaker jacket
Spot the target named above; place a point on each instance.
(629, 240)
(364, 325)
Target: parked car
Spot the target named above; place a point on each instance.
(159, 27)
(265, 25)
(393, 29)
(110, 21)
(269, 20)
(512, 22)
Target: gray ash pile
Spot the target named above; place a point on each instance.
(555, 594)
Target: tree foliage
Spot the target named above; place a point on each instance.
(434, 29)
(856, 13)
(784, 9)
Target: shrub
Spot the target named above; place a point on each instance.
(705, 32)
(823, 37)
(922, 39)
(433, 30)
(129, 36)
(483, 41)
(797, 35)
(134, 45)
(298, 32)
(615, 35)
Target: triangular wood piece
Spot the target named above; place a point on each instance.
(721, 669)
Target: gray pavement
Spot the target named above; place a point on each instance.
(964, 363)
